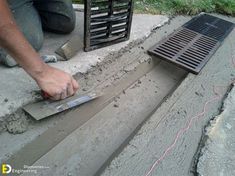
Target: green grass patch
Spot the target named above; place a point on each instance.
(189, 7)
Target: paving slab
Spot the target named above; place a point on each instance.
(159, 133)
(17, 88)
(217, 156)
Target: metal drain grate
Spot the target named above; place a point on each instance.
(187, 49)
(190, 49)
(107, 22)
(210, 26)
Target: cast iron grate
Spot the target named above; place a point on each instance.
(189, 49)
(107, 22)
(210, 26)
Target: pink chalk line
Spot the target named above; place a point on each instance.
(181, 131)
(189, 125)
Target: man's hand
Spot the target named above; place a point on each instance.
(58, 84)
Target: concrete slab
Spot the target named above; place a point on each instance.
(85, 150)
(217, 156)
(159, 133)
(17, 88)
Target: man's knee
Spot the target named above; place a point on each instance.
(57, 16)
(67, 16)
(68, 24)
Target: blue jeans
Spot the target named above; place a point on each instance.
(34, 16)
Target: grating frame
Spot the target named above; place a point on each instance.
(192, 45)
(106, 22)
(210, 26)
(187, 49)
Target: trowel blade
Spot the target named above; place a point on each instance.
(46, 108)
(70, 48)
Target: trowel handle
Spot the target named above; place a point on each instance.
(45, 95)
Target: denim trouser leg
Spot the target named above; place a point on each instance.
(33, 15)
(28, 21)
(56, 15)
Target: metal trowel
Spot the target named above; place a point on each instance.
(46, 108)
(70, 48)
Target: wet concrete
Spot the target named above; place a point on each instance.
(159, 133)
(217, 156)
(121, 65)
(91, 145)
(95, 146)
(18, 89)
(113, 67)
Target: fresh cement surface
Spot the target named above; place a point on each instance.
(159, 132)
(112, 68)
(131, 114)
(18, 89)
(217, 156)
(85, 150)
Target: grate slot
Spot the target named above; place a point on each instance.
(178, 42)
(182, 37)
(201, 45)
(103, 31)
(163, 53)
(110, 18)
(174, 44)
(106, 10)
(168, 50)
(192, 60)
(105, 24)
(200, 49)
(169, 44)
(187, 64)
(205, 43)
(171, 47)
(193, 57)
(199, 55)
(189, 60)
(196, 50)
(162, 50)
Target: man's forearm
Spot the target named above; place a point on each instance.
(56, 83)
(12, 40)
